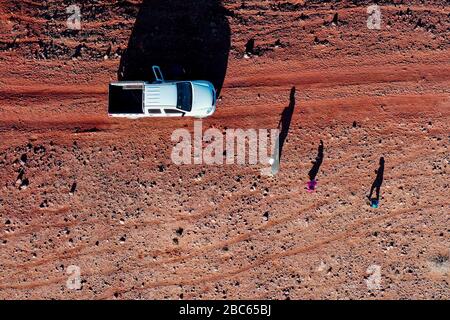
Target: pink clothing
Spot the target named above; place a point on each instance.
(311, 185)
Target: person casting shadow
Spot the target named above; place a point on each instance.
(315, 168)
(376, 185)
(316, 163)
(285, 121)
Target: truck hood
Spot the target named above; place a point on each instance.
(203, 96)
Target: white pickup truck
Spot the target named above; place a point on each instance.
(138, 99)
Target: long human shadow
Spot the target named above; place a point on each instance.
(189, 40)
(285, 121)
(316, 163)
(376, 185)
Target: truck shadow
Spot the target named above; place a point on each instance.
(189, 40)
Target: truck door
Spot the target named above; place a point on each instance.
(158, 74)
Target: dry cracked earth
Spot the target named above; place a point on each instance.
(78, 188)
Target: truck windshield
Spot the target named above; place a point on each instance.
(184, 96)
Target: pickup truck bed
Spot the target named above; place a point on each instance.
(126, 98)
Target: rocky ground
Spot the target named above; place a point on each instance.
(80, 188)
